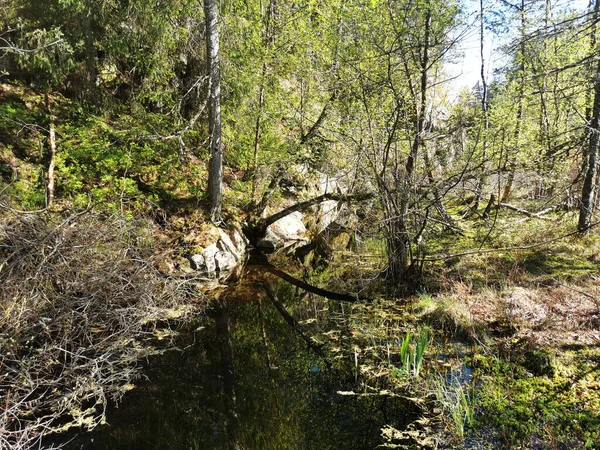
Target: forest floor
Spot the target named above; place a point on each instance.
(513, 357)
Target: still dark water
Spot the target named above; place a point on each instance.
(245, 378)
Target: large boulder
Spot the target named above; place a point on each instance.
(287, 231)
(292, 231)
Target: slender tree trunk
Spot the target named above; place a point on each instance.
(398, 238)
(261, 99)
(215, 167)
(90, 51)
(520, 111)
(590, 162)
(268, 39)
(437, 197)
(484, 110)
(52, 163)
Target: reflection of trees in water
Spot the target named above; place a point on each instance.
(221, 392)
(223, 337)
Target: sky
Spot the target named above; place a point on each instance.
(467, 68)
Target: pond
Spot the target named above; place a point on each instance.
(250, 376)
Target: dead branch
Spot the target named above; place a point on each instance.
(78, 296)
(301, 206)
(538, 215)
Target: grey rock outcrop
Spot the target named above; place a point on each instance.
(287, 231)
(220, 259)
(293, 231)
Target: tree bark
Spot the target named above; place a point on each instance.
(268, 39)
(215, 167)
(520, 111)
(590, 161)
(398, 241)
(90, 51)
(484, 110)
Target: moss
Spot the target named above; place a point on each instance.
(539, 362)
(567, 266)
(559, 403)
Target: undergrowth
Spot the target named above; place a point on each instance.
(80, 304)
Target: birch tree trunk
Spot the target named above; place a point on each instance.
(52, 163)
(215, 167)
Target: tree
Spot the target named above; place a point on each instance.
(215, 168)
(591, 154)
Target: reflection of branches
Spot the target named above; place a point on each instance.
(318, 349)
(308, 287)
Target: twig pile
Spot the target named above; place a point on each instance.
(78, 298)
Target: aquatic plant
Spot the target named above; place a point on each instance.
(411, 357)
(422, 342)
(455, 400)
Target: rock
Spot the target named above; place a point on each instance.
(225, 261)
(240, 241)
(290, 227)
(219, 259)
(328, 210)
(197, 262)
(270, 242)
(208, 254)
(235, 244)
(287, 231)
(225, 243)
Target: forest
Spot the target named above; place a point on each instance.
(267, 224)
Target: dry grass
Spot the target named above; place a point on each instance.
(562, 314)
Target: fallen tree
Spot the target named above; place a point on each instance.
(257, 227)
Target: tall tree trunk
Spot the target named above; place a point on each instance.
(512, 163)
(398, 238)
(215, 167)
(484, 110)
(261, 100)
(52, 163)
(590, 162)
(268, 39)
(90, 51)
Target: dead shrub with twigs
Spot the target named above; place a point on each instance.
(80, 297)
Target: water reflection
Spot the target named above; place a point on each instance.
(249, 378)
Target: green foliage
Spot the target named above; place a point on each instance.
(412, 354)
